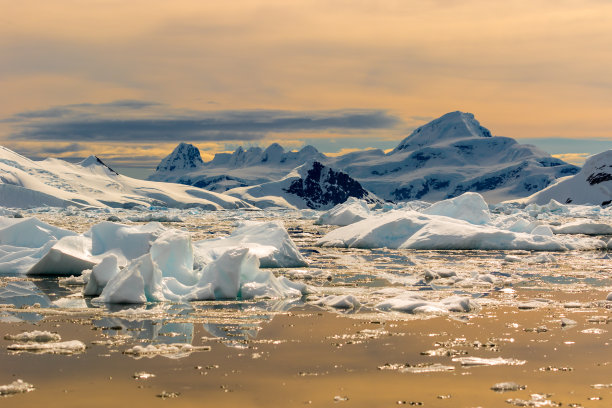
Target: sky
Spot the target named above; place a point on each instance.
(128, 81)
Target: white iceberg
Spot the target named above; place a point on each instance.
(101, 274)
(401, 229)
(269, 241)
(584, 226)
(470, 207)
(349, 212)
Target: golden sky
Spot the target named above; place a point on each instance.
(526, 69)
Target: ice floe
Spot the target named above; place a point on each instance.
(481, 361)
(584, 226)
(339, 302)
(35, 336)
(412, 303)
(167, 350)
(64, 347)
(16, 387)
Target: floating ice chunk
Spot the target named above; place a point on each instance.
(70, 255)
(532, 304)
(167, 350)
(339, 302)
(29, 232)
(542, 258)
(413, 230)
(159, 217)
(16, 387)
(585, 226)
(507, 386)
(138, 282)
(73, 280)
(172, 252)
(412, 303)
(101, 274)
(127, 242)
(268, 241)
(65, 347)
(23, 242)
(352, 210)
(420, 368)
(565, 322)
(470, 207)
(481, 361)
(543, 230)
(34, 336)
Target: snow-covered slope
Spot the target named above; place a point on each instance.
(593, 185)
(26, 183)
(444, 158)
(311, 185)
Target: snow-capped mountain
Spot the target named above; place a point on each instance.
(311, 185)
(241, 168)
(441, 159)
(592, 185)
(25, 183)
(184, 157)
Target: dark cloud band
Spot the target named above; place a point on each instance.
(124, 121)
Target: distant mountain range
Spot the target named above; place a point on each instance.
(441, 159)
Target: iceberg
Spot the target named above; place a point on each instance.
(407, 229)
(349, 212)
(269, 241)
(470, 207)
(150, 263)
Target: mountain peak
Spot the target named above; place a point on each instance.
(452, 126)
(185, 156)
(95, 161)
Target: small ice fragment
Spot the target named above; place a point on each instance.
(34, 336)
(142, 375)
(593, 331)
(480, 361)
(338, 398)
(534, 304)
(16, 387)
(507, 386)
(567, 322)
(417, 368)
(165, 394)
(66, 347)
(601, 386)
(339, 302)
(572, 305)
(166, 350)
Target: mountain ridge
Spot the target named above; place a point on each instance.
(441, 159)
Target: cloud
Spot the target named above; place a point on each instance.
(134, 121)
(574, 158)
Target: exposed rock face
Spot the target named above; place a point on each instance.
(324, 186)
(184, 157)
